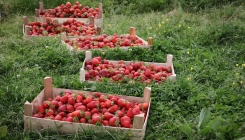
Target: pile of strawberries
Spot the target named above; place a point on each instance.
(101, 41)
(52, 28)
(96, 69)
(70, 11)
(93, 108)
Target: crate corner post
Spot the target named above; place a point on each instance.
(28, 109)
(169, 59)
(82, 75)
(147, 94)
(48, 90)
(88, 55)
(100, 10)
(150, 41)
(41, 7)
(138, 121)
(25, 20)
(132, 31)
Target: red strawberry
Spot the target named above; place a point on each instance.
(78, 113)
(70, 108)
(113, 109)
(58, 117)
(69, 119)
(136, 110)
(95, 62)
(87, 115)
(81, 107)
(130, 113)
(79, 98)
(95, 119)
(41, 109)
(119, 113)
(92, 104)
(83, 120)
(114, 121)
(46, 104)
(77, 105)
(121, 102)
(105, 122)
(94, 110)
(62, 108)
(71, 101)
(128, 105)
(108, 115)
(64, 99)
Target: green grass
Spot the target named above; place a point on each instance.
(209, 60)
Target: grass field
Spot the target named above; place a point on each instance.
(206, 102)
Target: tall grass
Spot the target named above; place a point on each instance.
(208, 49)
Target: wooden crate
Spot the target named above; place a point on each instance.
(146, 44)
(30, 123)
(88, 56)
(98, 21)
(27, 29)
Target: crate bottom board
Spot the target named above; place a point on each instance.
(71, 128)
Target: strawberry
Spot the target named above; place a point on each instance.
(71, 101)
(92, 104)
(136, 110)
(41, 109)
(113, 109)
(83, 120)
(130, 113)
(58, 117)
(77, 105)
(87, 115)
(81, 107)
(105, 122)
(95, 62)
(119, 113)
(128, 105)
(78, 113)
(108, 115)
(70, 108)
(79, 98)
(64, 99)
(96, 119)
(62, 108)
(114, 121)
(121, 102)
(94, 110)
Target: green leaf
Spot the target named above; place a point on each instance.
(185, 128)
(3, 131)
(220, 135)
(215, 123)
(203, 118)
(204, 131)
(243, 138)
